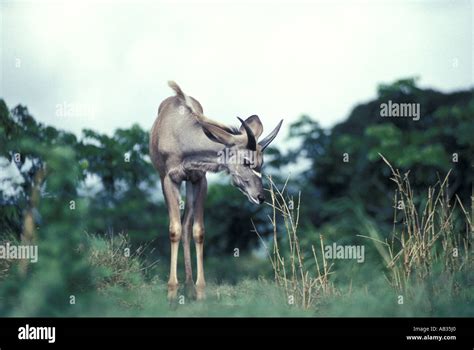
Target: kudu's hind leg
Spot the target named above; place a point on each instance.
(171, 193)
(187, 226)
(198, 234)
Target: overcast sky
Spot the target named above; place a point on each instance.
(104, 65)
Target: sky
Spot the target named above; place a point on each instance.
(103, 65)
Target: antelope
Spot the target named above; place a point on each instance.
(184, 146)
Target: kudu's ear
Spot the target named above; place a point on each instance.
(255, 125)
(218, 134)
(267, 140)
(251, 140)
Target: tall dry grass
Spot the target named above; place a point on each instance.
(426, 242)
(424, 238)
(301, 282)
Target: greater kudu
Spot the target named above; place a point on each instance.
(184, 145)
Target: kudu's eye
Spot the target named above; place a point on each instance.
(247, 163)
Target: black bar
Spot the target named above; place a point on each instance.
(356, 331)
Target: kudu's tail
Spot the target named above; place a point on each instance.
(201, 118)
(185, 98)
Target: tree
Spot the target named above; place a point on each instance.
(346, 170)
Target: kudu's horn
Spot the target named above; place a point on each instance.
(251, 142)
(267, 140)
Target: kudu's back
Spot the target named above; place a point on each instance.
(174, 133)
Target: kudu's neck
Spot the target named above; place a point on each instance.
(207, 159)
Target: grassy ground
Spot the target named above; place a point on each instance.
(424, 268)
(128, 286)
(253, 298)
(134, 285)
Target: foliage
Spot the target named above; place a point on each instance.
(438, 142)
(62, 276)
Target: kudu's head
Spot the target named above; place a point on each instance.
(242, 155)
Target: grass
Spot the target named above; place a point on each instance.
(145, 295)
(427, 241)
(126, 288)
(302, 285)
(415, 273)
(115, 263)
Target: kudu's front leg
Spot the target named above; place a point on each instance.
(198, 235)
(171, 193)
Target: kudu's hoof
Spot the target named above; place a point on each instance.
(200, 293)
(172, 293)
(190, 291)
